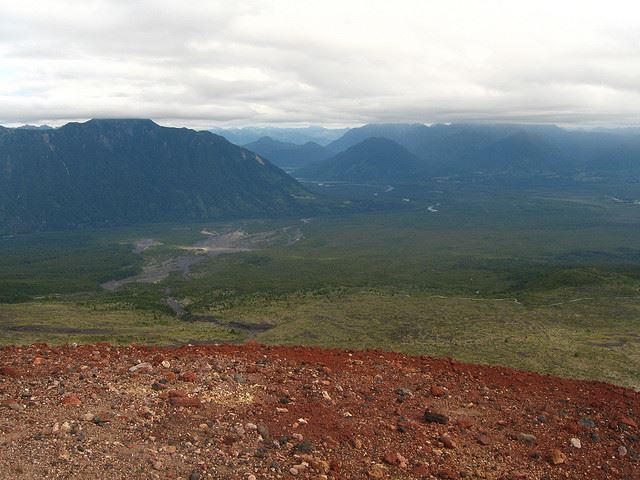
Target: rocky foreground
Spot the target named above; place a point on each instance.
(256, 412)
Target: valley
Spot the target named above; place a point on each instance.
(277, 240)
(541, 278)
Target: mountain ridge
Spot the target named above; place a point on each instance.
(118, 171)
(288, 154)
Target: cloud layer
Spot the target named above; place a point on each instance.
(249, 62)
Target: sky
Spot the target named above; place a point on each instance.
(332, 63)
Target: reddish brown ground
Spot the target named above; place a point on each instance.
(81, 413)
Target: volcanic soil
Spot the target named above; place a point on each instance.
(259, 412)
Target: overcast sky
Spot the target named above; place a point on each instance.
(329, 62)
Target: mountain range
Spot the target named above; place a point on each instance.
(297, 135)
(105, 172)
(289, 155)
(507, 150)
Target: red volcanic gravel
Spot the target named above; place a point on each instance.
(255, 412)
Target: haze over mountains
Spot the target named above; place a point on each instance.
(475, 149)
(104, 172)
(300, 135)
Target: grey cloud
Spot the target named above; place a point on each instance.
(280, 61)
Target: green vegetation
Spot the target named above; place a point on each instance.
(119, 172)
(58, 323)
(546, 279)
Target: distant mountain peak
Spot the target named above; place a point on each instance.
(34, 127)
(375, 159)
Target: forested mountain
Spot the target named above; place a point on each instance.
(288, 155)
(105, 172)
(508, 149)
(377, 160)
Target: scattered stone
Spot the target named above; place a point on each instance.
(376, 472)
(465, 423)
(448, 442)
(421, 471)
(71, 400)
(557, 457)
(185, 402)
(404, 392)
(218, 441)
(304, 447)
(438, 391)
(144, 367)
(176, 394)
(447, 474)
(8, 371)
(587, 422)
(188, 377)
(396, 459)
(263, 430)
(239, 378)
(16, 407)
(435, 417)
(165, 364)
(326, 395)
(629, 422)
(526, 437)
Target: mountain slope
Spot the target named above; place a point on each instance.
(508, 149)
(122, 171)
(518, 153)
(406, 134)
(377, 160)
(300, 412)
(288, 155)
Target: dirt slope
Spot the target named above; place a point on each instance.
(257, 412)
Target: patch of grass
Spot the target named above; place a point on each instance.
(62, 323)
(595, 338)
